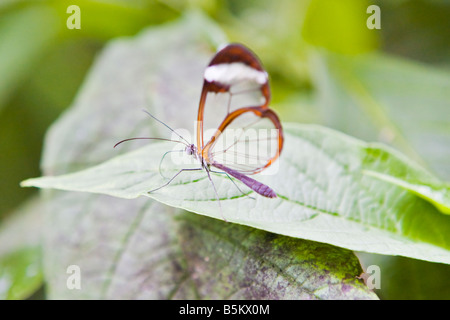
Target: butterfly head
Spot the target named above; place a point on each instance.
(191, 149)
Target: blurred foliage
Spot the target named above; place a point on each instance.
(409, 279)
(43, 63)
(334, 35)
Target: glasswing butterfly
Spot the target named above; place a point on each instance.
(246, 136)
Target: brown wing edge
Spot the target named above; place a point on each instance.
(236, 52)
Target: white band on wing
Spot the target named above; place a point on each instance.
(231, 73)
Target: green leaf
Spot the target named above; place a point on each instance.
(266, 266)
(21, 272)
(322, 181)
(438, 195)
(141, 249)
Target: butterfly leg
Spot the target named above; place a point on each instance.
(160, 162)
(215, 191)
(243, 193)
(171, 179)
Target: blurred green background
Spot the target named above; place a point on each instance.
(43, 63)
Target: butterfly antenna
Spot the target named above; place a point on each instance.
(144, 138)
(165, 125)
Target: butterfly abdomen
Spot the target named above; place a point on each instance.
(264, 190)
(256, 186)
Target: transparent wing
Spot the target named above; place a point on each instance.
(235, 126)
(249, 141)
(218, 106)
